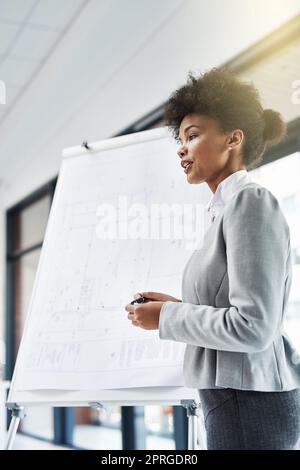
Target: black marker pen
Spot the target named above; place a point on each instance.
(140, 300)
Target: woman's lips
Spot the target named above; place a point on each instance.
(188, 167)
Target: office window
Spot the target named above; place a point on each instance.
(30, 223)
(160, 428)
(26, 225)
(98, 429)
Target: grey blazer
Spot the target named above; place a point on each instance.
(234, 293)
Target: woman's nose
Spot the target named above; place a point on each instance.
(181, 151)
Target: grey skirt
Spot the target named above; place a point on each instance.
(241, 420)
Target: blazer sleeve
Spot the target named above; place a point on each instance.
(256, 237)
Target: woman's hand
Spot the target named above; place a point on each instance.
(145, 315)
(156, 296)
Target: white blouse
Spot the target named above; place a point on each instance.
(225, 191)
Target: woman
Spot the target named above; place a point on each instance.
(236, 286)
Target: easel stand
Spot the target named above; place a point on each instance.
(191, 406)
(18, 413)
(192, 410)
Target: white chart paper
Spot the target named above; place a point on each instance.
(77, 335)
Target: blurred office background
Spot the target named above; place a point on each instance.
(79, 70)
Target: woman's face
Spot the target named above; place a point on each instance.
(208, 150)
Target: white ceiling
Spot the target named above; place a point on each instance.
(29, 32)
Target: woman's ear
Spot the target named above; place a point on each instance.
(235, 138)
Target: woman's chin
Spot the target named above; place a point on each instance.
(192, 179)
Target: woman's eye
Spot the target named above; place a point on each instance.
(192, 135)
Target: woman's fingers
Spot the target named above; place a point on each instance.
(138, 295)
(149, 295)
(144, 316)
(132, 315)
(155, 296)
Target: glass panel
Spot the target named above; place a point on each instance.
(282, 179)
(24, 274)
(98, 429)
(159, 426)
(30, 224)
(110, 416)
(39, 421)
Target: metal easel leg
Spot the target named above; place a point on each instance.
(202, 444)
(192, 415)
(18, 413)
